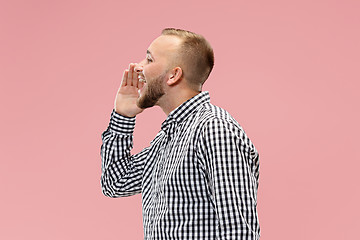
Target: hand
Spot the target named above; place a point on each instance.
(127, 95)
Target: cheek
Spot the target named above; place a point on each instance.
(152, 71)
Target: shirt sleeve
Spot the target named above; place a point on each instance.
(231, 163)
(121, 172)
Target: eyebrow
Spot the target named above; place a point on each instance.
(148, 52)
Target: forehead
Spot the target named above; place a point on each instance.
(164, 45)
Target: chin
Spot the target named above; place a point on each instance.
(143, 104)
(138, 103)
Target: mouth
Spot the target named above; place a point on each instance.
(141, 79)
(142, 86)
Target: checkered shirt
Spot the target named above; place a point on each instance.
(198, 178)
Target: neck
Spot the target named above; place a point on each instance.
(175, 98)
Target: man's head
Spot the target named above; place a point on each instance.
(195, 56)
(177, 58)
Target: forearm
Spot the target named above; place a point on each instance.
(121, 172)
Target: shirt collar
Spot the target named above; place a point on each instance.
(183, 111)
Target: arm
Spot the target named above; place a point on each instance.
(231, 163)
(121, 173)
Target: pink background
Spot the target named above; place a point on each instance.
(288, 71)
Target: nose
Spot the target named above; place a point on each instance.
(138, 67)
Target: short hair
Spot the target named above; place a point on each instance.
(196, 55)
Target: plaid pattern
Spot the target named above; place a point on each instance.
(198, 178)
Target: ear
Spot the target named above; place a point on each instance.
(175, 76)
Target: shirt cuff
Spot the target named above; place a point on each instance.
(121, 124)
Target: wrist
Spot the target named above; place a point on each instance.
(121, 124)
(127, 115)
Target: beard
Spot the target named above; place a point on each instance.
(153, 92)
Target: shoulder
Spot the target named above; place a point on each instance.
(211, 114)
(217, 124)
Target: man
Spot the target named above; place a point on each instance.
(199, 176)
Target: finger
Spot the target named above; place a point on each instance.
(130, 75)
(135, 77)
(124, 78)
(133, 74)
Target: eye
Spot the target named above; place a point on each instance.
(149, 60)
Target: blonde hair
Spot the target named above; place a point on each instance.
(196, 55)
